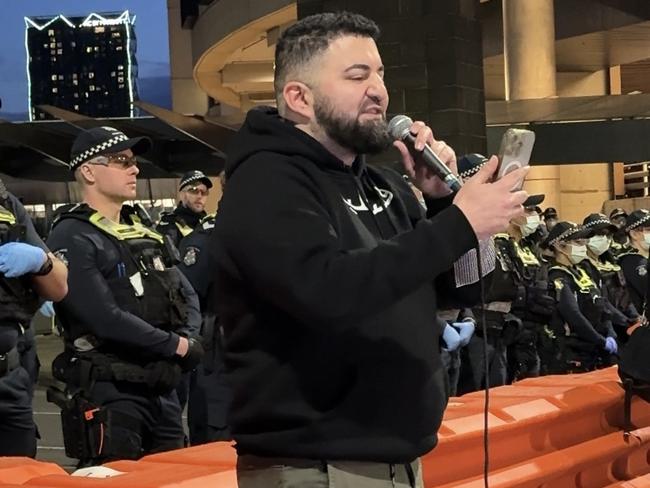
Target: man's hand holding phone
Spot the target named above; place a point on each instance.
(489, 205)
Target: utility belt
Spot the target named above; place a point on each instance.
(501, 307)
(500, 326)
(83, 370)
(9, 361)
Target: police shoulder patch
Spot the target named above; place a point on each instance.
(642, 270)
(191, 254)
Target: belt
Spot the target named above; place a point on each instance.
(502, 307)
(9, 361)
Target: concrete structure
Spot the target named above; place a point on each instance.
(436, 69)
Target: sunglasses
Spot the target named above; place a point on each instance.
(195, 190)
(121, 161)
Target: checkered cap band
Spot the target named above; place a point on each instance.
(638, 223)
(598, 222)
(192, 179)
(471, 171)
(564, 235)
(98, 149)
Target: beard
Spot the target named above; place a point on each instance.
(370, 137)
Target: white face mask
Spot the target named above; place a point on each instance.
(599, 244)
(578, 253)
(530, 226)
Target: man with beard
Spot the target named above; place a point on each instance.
(193, 189)
(329, 273)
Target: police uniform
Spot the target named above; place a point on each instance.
(126, 307)
(501, 325)
(534, 306)
(634, 264)
(182, 220)
(18, 360)
(452, 360)
(209, 396)
(609, 277)
(577, 332)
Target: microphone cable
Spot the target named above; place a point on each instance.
(483, 325)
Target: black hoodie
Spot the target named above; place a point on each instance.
(329, 310)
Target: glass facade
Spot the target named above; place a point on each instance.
(86, 65)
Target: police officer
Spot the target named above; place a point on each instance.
(633, 259)
(501, 325)
(28, 272)
(533, 305)
(209, 396)
(580, 329)
(127, 317)
(457, 327)
(550, 218)
(620, 241)
(194, 189)
(602, 267)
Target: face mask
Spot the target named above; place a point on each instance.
(599, 244)
(578, 253)
(531, 225)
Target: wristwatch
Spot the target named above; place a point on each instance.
(46, 268)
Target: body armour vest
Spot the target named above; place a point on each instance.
(18, 301)
(147, 285)
(587, 294)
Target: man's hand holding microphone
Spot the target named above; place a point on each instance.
(488, 205)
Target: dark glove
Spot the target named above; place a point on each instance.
(193, 357)
(163, 376)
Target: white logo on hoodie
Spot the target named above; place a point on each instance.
(361, 206)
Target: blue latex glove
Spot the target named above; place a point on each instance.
(18, 258)
(47, 309)
(465, 331)
(451, 338)
(611, 346)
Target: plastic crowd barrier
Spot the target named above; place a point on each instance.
(548, 432)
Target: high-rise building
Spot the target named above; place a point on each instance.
(83, 64)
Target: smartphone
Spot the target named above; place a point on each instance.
(514, 153)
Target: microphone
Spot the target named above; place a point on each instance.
(399, 128)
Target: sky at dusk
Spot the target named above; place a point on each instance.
(151, 32)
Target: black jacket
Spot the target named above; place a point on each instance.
(329, 309)
(182, 217)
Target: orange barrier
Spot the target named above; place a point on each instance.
(17, 470)
(154, 476)
(527, 420)
(548, 432)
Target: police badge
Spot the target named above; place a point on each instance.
(642, 270)
(190, 256)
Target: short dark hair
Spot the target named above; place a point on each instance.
(311, 36)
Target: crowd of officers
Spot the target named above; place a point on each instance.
(140, 342)
(133, 302)
(564, 297)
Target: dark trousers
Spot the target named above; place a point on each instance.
(17, 428)
(497, 361)
(209, 400)
(139, 423)
(451, 362)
